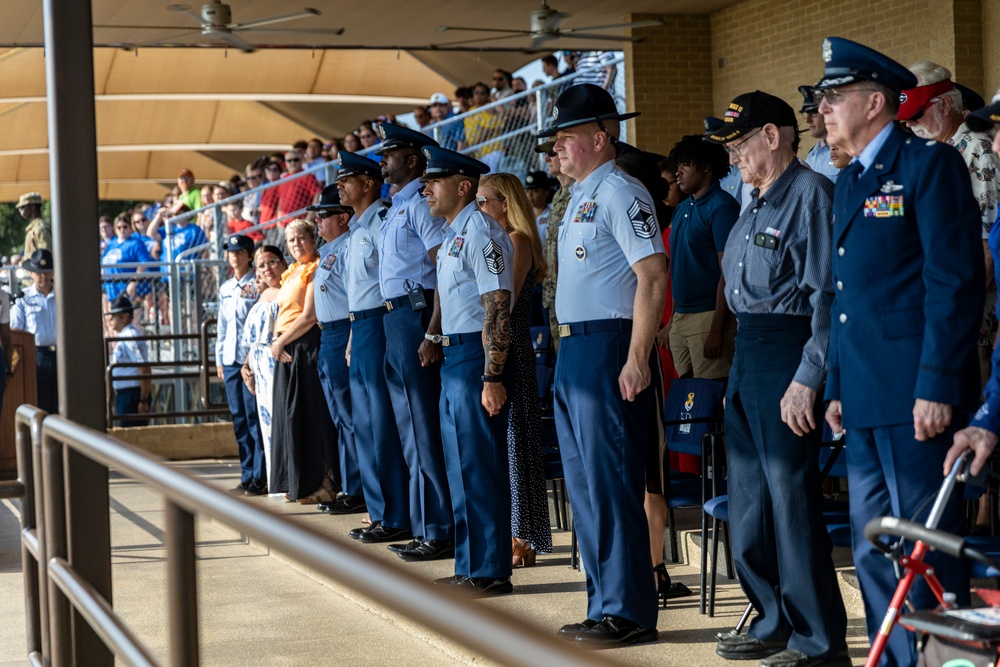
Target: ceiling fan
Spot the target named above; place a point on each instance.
(544, 27)
(216, 24)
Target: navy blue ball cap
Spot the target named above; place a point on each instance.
(810, 100)
(971, 100)
(538, 180)
(983, 120)
(712, 124)
(582, 104)
(122, 304)
(443, 162)
(329, 200)
(398, 136)
(849, 62)
(238, 242)
(352, 164)
(749, 111)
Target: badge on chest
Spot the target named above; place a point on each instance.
(883, 206)
(456, 246)
(585, 212)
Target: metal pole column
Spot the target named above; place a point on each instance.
(69, 77)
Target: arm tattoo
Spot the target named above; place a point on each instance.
(496, 330)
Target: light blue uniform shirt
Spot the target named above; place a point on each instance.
(329, 289)
(236, 298)
(476, 257)
(361, 272)
(819, 161)
(406, 236)
(732, 183)
(128, 352)
(610, 224)
(36, 313)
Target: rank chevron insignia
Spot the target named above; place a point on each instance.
(641, 215)
(494, 258)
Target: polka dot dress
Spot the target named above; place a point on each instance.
(529, 503)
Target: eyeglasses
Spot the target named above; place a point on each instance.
(293, 159)
(253, 177)
(274, 167)
(737, 149)
(481, 200)
(268, 263)
(835, 96)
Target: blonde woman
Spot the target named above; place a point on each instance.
(503, 197)
(300, 421)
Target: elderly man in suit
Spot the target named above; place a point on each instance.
(908, 276)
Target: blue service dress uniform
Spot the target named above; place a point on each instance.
(609, 225)
(405, 238)
(384, 475)
(330, 300)
(476, 258)
(908, 270)
(236, 298)
(35, 313)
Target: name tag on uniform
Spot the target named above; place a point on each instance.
(585, 212)
(884, 206)
(765, 241)
(456, 246)
(328, 261)
(249, 290)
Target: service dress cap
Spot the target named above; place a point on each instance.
(848, 62)
(442, 162)
(398, 136)
(238, 242)
(352, 164)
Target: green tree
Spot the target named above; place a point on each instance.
(12, 225)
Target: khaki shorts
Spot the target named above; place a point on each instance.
(688, 332)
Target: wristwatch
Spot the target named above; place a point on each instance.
(144, 401)
(434, 338)
(492, 378)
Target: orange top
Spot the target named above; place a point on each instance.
(292, 295)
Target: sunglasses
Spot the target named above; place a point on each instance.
(293, 159)
(481, 200)
(323, 215)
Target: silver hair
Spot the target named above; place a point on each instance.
(928, 72)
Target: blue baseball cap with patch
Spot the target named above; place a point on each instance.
(352, 164)
(983, 120)
(238, 242)
(397, 136)
(848, 62)
(442, 162)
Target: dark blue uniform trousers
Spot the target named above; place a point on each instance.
(780, 543)
(889, 473)
(47, 379)
(415, 391)
(475, 455)
(250, 442)
(603, 440)
(384, 476)
(126, 403)
(334, 376)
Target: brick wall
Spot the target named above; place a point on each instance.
(669, 79)
(991, 47)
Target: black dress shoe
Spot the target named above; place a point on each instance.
(791, 657)
(614, 631)
(255, 489)
(412, 544)
(484, 587)
(732, 646)
(573, 629)
(345, 504)
(239, 489)
(356, 533)
(383, 533)
(453, 580)
(429, 550)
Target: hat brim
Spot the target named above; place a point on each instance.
(984, 119)
(829, 82)
(552, 130)
(116, 311)
(31, 267)
(445, 173)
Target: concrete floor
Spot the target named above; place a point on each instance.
(257, 608)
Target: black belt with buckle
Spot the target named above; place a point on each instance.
(458, 339)
(398, 302)
(365, 314)
(334, 324)
(51, 349)
(594, 326)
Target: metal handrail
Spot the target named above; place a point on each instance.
(493, 634)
